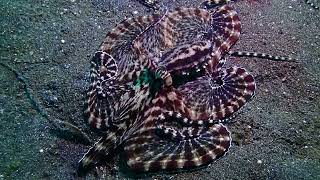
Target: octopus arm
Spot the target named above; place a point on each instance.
(161, 144)
(104, 91)
(99, 151)
(220, 96)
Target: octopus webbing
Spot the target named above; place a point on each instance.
(159, 90)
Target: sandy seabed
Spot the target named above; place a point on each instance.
(49, 43)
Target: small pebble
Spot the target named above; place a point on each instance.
(63, 41)
(41, 150)
(135, 12)
(284, 79)
(259, 162)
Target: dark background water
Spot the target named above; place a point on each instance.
(49, 44)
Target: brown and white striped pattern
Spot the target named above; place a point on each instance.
(126, 111)
(193, 49)
(260, 55)
(186, 25)
(184, 50)
(103, 88)
(182, 41)
(119, 43)
(110, 101)
(159, 144)
(177, 27)
(149, 152)
(213, 98)
(186, 57)
(219, 96)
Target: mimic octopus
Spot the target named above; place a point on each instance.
(160, 90)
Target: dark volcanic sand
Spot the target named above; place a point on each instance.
(50, 42)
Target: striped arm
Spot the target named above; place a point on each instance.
(161, 145)
(186, 25)
(260, 55)
(226, 28)
(218, 97)
(104, 147)
(119, 41)
(187, 57)
(102, 91)
(127, 110)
